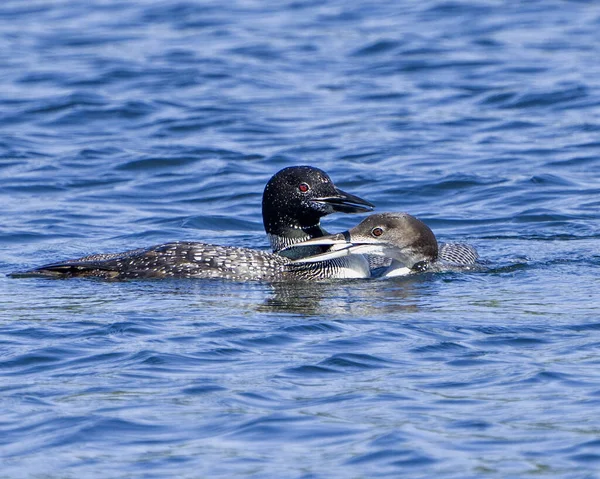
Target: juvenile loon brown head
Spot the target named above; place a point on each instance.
(408, 241)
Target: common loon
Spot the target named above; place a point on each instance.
(294, 201)
(408, 241)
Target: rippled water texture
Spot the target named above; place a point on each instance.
(126, 124)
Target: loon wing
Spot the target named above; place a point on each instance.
(170, 260)
(458, 254)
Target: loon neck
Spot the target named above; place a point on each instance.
(289, 235)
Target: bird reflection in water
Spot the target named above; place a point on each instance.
(347, 298)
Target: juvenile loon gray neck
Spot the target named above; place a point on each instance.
(409, 243)
(294, 200)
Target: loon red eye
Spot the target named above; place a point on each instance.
(303, 187)
(377, 231)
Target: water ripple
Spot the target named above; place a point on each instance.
(127, 124)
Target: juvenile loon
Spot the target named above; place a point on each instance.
(294, 201)
(408, 241)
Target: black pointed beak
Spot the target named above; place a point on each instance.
(343, 202)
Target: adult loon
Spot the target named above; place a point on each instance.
(294, 201)
(408, 241)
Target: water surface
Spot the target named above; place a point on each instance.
(127, 124)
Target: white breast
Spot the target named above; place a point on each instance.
(353, 266)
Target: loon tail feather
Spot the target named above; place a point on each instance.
(68, 270)
(95, 266)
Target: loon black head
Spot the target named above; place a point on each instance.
(296, 198)
(409, 242)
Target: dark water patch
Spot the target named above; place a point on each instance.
(309, 371)
(278, 427)
(100, 429)
(314, 328)
(542, 238)
(444, 347)
(259, 51)
(498, 98)
(417, 460)
(585, 327)
(551, 180)
(518, 342)
(31, 363)
(470, 363)
(392, 457)
(584, 452)
(580, 160)
(349, 362)
(73, 101)
(157, 164)
(544, 99)
(12, 10)
(471, 424)
(20, 237)
(377, 47)
(230, 332)
(99, 115)
(267, 340)
(427, 65)
(185, 15)
(225, 351)
(176, 363)
(194, 124)
(512, 125)
(586, 458)
(7, 164)
(456, 8)
(101, 359)
(256, 399)
(34, 189)
(219, 223)
(382, 98)
(201, 390)
(544, 377)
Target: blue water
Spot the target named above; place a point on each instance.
(126, 124)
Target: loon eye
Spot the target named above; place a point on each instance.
(377, 231)
(303, 187)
